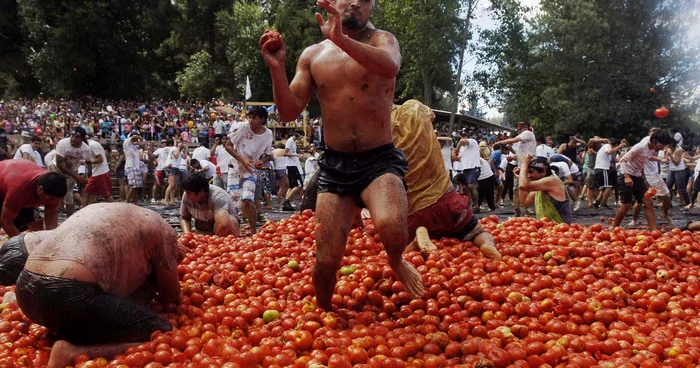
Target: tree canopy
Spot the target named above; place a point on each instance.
(573, 66)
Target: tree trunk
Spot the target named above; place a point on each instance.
(427, 89)
(458, 83)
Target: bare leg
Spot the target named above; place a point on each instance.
(386, 201)
(649, 211)
(334, 215)
(474, 193)
(622, 211)
(70, 208)
(63, 353)
(249, 212)
(636, 210)
(283, 185)
(694, 226)
(293, 192)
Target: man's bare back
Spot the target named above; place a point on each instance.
(356, 103)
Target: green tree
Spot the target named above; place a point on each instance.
(196, 81)
(429, 33)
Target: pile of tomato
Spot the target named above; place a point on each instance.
(563, 295)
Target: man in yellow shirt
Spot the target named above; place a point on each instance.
(432, 201)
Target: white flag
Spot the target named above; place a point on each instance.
(248, 92)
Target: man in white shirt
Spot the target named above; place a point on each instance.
(468, 152)
(204, 167)
(247, 144)
(161, 157)
(523, 144)
(631, 182)
(603, 169)
(132, 167)
(202, 152)
(653, 178)
(29, 151)
(310, 166)
(70, 153)
(218, 128)
(543, 149)
(293, 171)
(222, 161)
(99, 183)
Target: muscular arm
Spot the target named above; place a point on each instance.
(381, 57)
(186, 225)
(50, 217)
(61, 164)
(7, 221)
(291, 99)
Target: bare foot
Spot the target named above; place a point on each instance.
(62, 354)
(410, 278)
(490, 252)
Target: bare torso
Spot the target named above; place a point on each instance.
(356, 104)
(94, 227)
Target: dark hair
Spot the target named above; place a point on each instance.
(54, 184)
(662, 137)
(196, 183)
(170, 142)
(80, 131)
(541, 164)
(195, 162)
(260, 112)
(460, 179)
(299, 132)
(35, 138)
(540, 138)
(614, 141)
(204, 143)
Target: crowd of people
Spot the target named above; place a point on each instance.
(379, 157)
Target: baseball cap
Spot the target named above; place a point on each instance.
(79, 131)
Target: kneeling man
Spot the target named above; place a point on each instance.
(211, 208)
(88, 280)
(546, 191)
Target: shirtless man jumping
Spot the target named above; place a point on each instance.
(353, 73)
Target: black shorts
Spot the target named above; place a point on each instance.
(84, 314)
(13, 256)
(603, 179)
(25, 217)
(294, 177)
(350, 173)
(472, 175)
(635, 192)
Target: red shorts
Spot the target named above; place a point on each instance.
(450, 216)
(100, 186)
(160, 177)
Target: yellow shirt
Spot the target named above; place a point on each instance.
(427, 179)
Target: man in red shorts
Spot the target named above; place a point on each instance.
(99, 184)
(24, 186)
(432, 201)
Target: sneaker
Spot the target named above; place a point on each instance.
(632, 224)
(261, 217)
(577, 206)
(287, 206)
(596, 204)
(605, 205)
(153, 201)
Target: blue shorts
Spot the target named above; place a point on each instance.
(242, 189)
